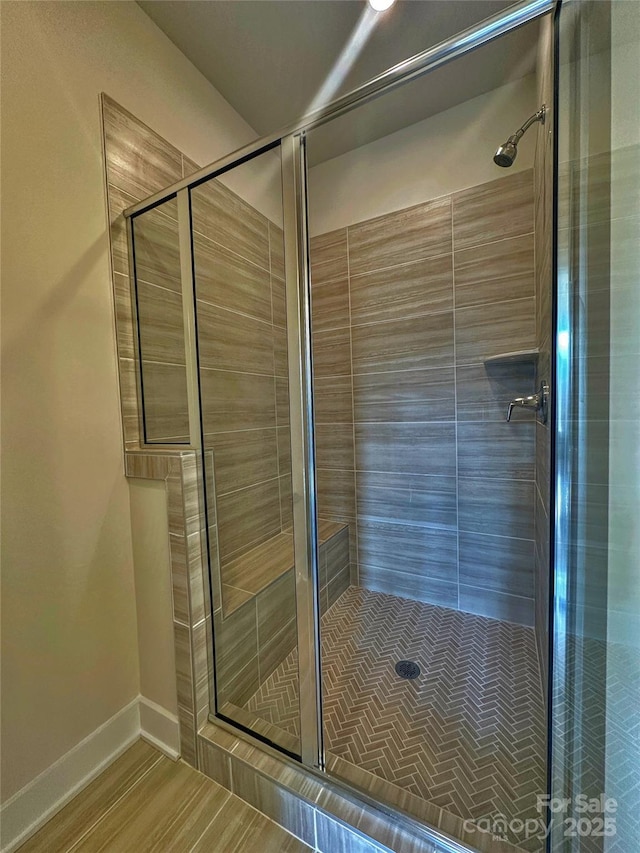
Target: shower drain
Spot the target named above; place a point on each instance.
(407, 669)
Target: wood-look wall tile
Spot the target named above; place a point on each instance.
(124, 316)
(483, 391)
(402, 291)
(231, 341)
(334, 446)
(328, 255)
(406, 448)
(332, 352)
(276, 249)
(157, 247)
(230, 281)
(138, 160)
(493, 211)
(236, 401)
(118, 201)
(272, 652)
(280, 352)
(244, 458)
(409, 498)
(500, 507)
(161, 324)
(422, 231)
(498, 563)
(284, 450)
(495, 272)
(179, 578)
(496, 450)
(428, 552)
(337, 553)
(185, 687)
(240, 685)
(408, 584)
(241, 829)
(255, 570)
(338, 584)
(286, 502)
(335, 493)
(165, 402)
(247, 517)
(282, 401)
(406, 395)
(278, 301)
(496, 605)
(236, 641)
(286, 810)
(223, 216)
(333, 401)
(276, 606)
(489, 330)
(214, 762)
(411, 344)
(127, 375)
(330, 305)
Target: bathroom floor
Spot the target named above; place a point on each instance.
(468, 734)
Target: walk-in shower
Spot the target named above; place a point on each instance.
(365, 341)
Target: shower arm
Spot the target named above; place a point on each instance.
(539, 116)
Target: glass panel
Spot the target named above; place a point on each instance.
(429, 315)
(160, 325)
(242, 347)
(596, 684)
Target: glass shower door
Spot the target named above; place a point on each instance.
(240, 318)
(596, 646)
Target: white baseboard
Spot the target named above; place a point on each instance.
(160, 728)
(28, 809)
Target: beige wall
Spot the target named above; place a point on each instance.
(448, 152)
(69, 628)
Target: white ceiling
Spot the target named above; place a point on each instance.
(270, 58)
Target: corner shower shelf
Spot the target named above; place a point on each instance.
(516, 357)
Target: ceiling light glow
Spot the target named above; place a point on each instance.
(381, 5)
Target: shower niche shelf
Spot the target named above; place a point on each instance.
(517, 357)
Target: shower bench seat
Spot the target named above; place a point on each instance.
(250, 574)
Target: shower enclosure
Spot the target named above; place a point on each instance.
(367, 359)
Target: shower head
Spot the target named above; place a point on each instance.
(508, 151)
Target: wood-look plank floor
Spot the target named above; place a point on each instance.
(145, 802)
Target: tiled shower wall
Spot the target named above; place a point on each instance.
(413, 449)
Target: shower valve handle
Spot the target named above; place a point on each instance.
(537, 402)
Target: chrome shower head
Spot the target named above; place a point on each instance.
(508, 151)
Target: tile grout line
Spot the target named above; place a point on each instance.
(353, 421)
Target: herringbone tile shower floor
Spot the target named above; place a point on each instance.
(468, 734)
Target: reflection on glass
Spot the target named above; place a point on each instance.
(160, 325)
(241, 326)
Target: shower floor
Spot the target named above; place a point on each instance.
(468, 734)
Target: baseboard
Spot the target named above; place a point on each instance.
(33, 805)
(28, 809)
(160, 728)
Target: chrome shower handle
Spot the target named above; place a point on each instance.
(538, 402)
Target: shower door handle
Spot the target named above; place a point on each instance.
(538, 402)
